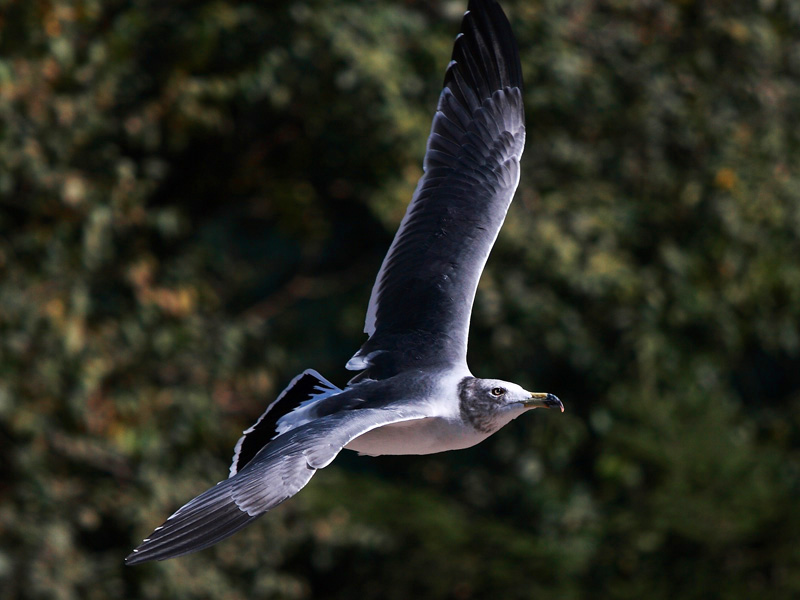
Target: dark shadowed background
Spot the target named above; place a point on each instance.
(195, 200)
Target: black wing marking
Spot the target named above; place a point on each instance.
(276, 473)
(307, 387)
(421, 303)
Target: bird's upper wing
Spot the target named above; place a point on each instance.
(275, 474)
(421, 303)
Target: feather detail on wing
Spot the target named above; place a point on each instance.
(307, 388)
(275, 474)
(421, 303)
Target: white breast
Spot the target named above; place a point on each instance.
(420, 436)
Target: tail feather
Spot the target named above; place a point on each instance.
(306, 388)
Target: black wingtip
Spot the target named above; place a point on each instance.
(485, 52)
(131, 559)
(187, 538)
(207, 519)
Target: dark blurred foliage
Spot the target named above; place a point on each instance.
(196, 197)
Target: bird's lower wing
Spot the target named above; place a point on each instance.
(275, 474)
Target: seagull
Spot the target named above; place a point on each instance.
(414, 393)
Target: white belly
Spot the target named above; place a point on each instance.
(420, 436)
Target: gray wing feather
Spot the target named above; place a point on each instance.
(275, 474)
(307, 388)
(421, 303)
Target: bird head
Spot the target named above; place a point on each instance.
(490, 403)
(510, 394)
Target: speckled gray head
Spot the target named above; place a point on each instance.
(488, 404)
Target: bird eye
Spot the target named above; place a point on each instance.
(498, 391)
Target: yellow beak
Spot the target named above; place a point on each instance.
(544, 400)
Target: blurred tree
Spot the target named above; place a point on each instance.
(195, 198)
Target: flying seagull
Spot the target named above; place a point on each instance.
(414, 393)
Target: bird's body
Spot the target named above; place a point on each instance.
(446, 427)
(441, 395)
(414, 393)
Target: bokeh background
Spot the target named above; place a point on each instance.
(196, 197)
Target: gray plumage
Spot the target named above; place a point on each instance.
(421, 303)
(414, 393)
(281, 470)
